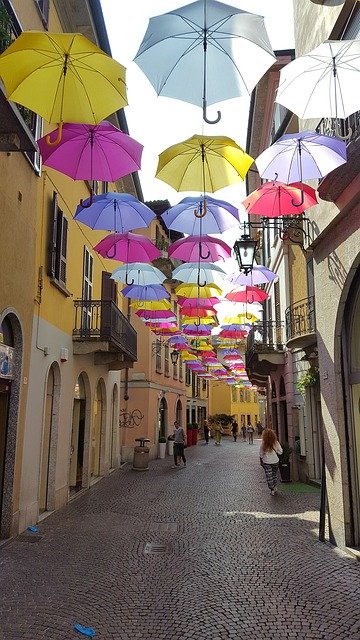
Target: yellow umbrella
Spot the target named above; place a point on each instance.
(192, 319)
(203, 163)
(194, 291)
(241, 318)
(63, 77)
(153, 305)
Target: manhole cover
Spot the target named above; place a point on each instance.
(29, 537)
(155, 547)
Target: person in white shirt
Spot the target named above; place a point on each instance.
(270, 449)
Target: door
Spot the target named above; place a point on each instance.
(46, 442)
(96, 432)
(77, 438)
(4, 412)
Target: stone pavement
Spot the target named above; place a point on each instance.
(198, 553)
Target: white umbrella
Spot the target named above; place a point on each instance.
(192, 272)
(138, 273)
(323, 83)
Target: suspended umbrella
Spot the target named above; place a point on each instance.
(196, 330)
(147, 292)
(246, 294)
(120, 212)
(63, 77)
(194, 312)
(275, 199)
(258, 275)
(197, 320)
(193, 272)
(154, 305)
(127, 247)
(149, 314)
(170, 321)
(203, 163)
(301, 156)
(242, 318)
(194, 291)
(140, 273)
(185, 42)
(235, 335)
(324, 82)
(200, 248)
(206, 303)
(197, 215)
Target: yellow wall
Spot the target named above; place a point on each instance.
(221, 400)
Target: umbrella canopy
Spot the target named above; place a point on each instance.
(120, 212)
(200, 248)
(149, 314)
(324, 82)
(191, 319)
(183, 43)
(139, 273)
(275, 199)
(147, 292)
(258, 275)
(194, 291)
(92, 152)
(247, 294)
(197, 312)
(301, 156)
(197, 215)
(203, 163)
(242, 318)
(197, 273)
(205, 303)
(154, 305)
(196, 330)
(127, 247)
(63, 77)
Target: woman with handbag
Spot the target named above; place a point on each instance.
(270, 449)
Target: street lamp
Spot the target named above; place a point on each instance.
(174, 355)
(244, 250)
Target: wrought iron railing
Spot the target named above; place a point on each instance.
(102, 320)
(266, 336)
(300, 318)
(349, 129)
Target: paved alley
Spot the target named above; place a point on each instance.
(198, 553)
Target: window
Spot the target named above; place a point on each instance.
(58, 246)
(158, 355)
(43, 6)
(167, 365)
(197, 386)
(87, 288)
(188, 377)
(204, 384)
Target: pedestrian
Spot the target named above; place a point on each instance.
(243, 430)
(259, 428)
(217, 433)
(270, 449)
(179, 445)
(234, 429)
(206, 432)
(250, 432)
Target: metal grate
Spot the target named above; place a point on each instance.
(155, 548)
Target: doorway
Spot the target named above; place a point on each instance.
(5, 387)
(162, 418)
(48, 446)
(76, 472)
(178, 413)
(97, 430)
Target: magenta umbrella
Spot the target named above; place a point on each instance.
(127, 247)
(248, 295)
(206, 303)
(200, 248)
(92, 152)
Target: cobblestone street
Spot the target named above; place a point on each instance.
(227, 559)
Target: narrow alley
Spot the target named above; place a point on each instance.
(195, 553)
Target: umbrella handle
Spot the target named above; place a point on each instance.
(298, 204)
(198, 281)
(126, 277)
(217, 119)
(91, 199)
(200, 215)
(201, 255)
(338, 132)
(197, 324)
(53, 143)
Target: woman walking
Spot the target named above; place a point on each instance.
(270, 449)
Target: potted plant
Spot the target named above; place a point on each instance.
(189, 434)
(170, 441)
(284, 462)
(162, 447)
(308, 379)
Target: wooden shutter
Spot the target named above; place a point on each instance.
(63, 249)
(53, 237)
(108, 287)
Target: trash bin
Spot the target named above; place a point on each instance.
(141, 455)
(170, 447)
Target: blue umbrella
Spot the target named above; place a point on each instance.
(118, 212)
(138, 273)
(201, 214)
(147, 292)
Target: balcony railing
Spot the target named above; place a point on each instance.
(266, 336)
(300, 319)
(101, 320)
(348, 129)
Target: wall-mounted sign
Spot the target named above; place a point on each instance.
(6, 362)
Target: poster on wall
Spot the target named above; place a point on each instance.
(6, 362)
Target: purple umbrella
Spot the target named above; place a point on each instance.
(119, 212)
(195, 216)
(196, 330)
(92, 152)
(198, 248)
(127, 247)
(301, 156)
(147, 292)
(258, 275)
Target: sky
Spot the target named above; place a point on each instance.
(159, 122)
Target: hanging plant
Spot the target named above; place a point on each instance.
(308, 379)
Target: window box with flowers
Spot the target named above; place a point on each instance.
(308, 379)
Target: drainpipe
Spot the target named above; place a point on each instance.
(126, 374)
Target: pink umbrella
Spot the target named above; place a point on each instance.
(127, 247)
(275, 199)
(195, 330)
(247, 294)
(149, 314)
(206, 303)
(194, 312)
(92, 152)
(200, 248)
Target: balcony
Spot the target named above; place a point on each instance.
(331, 187)
(300, 324)
(265, 351)
(101, 329)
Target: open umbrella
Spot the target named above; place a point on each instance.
(199, 248)
(120, 212)
(92, 152)
(198, 215)
(205, 303)
(301, 156)
(185, 42)
(194, 291)
(275, 199)
(147, 292)
(324, 82)
(258, 275)
(153, 305)
(138, 272)
(127, 247)
(203, 163)
(63, 77)
(197, 312)
(150, 314)
(247, 294)
(197, 273)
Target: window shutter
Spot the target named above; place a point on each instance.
(53, 238)
(63, 250)
(44, 10)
